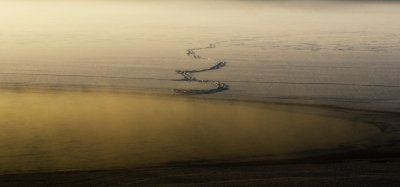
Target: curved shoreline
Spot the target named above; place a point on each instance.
(165, 92)
(116, 105)
(313, 163)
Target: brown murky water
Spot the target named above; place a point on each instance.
(61, 130)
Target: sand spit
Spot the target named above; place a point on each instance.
(100, 138)
(61, 130)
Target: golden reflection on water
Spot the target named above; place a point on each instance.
(61, 130)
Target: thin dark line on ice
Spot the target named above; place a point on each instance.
(86, 76)
(229, 81)
(318, 83)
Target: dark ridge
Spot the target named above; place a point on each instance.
(219, 88)
(188, 74)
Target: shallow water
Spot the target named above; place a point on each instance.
(62, 130)
(330, 52)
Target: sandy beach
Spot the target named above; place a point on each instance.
(102, 137)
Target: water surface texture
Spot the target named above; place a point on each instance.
(331, 52)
